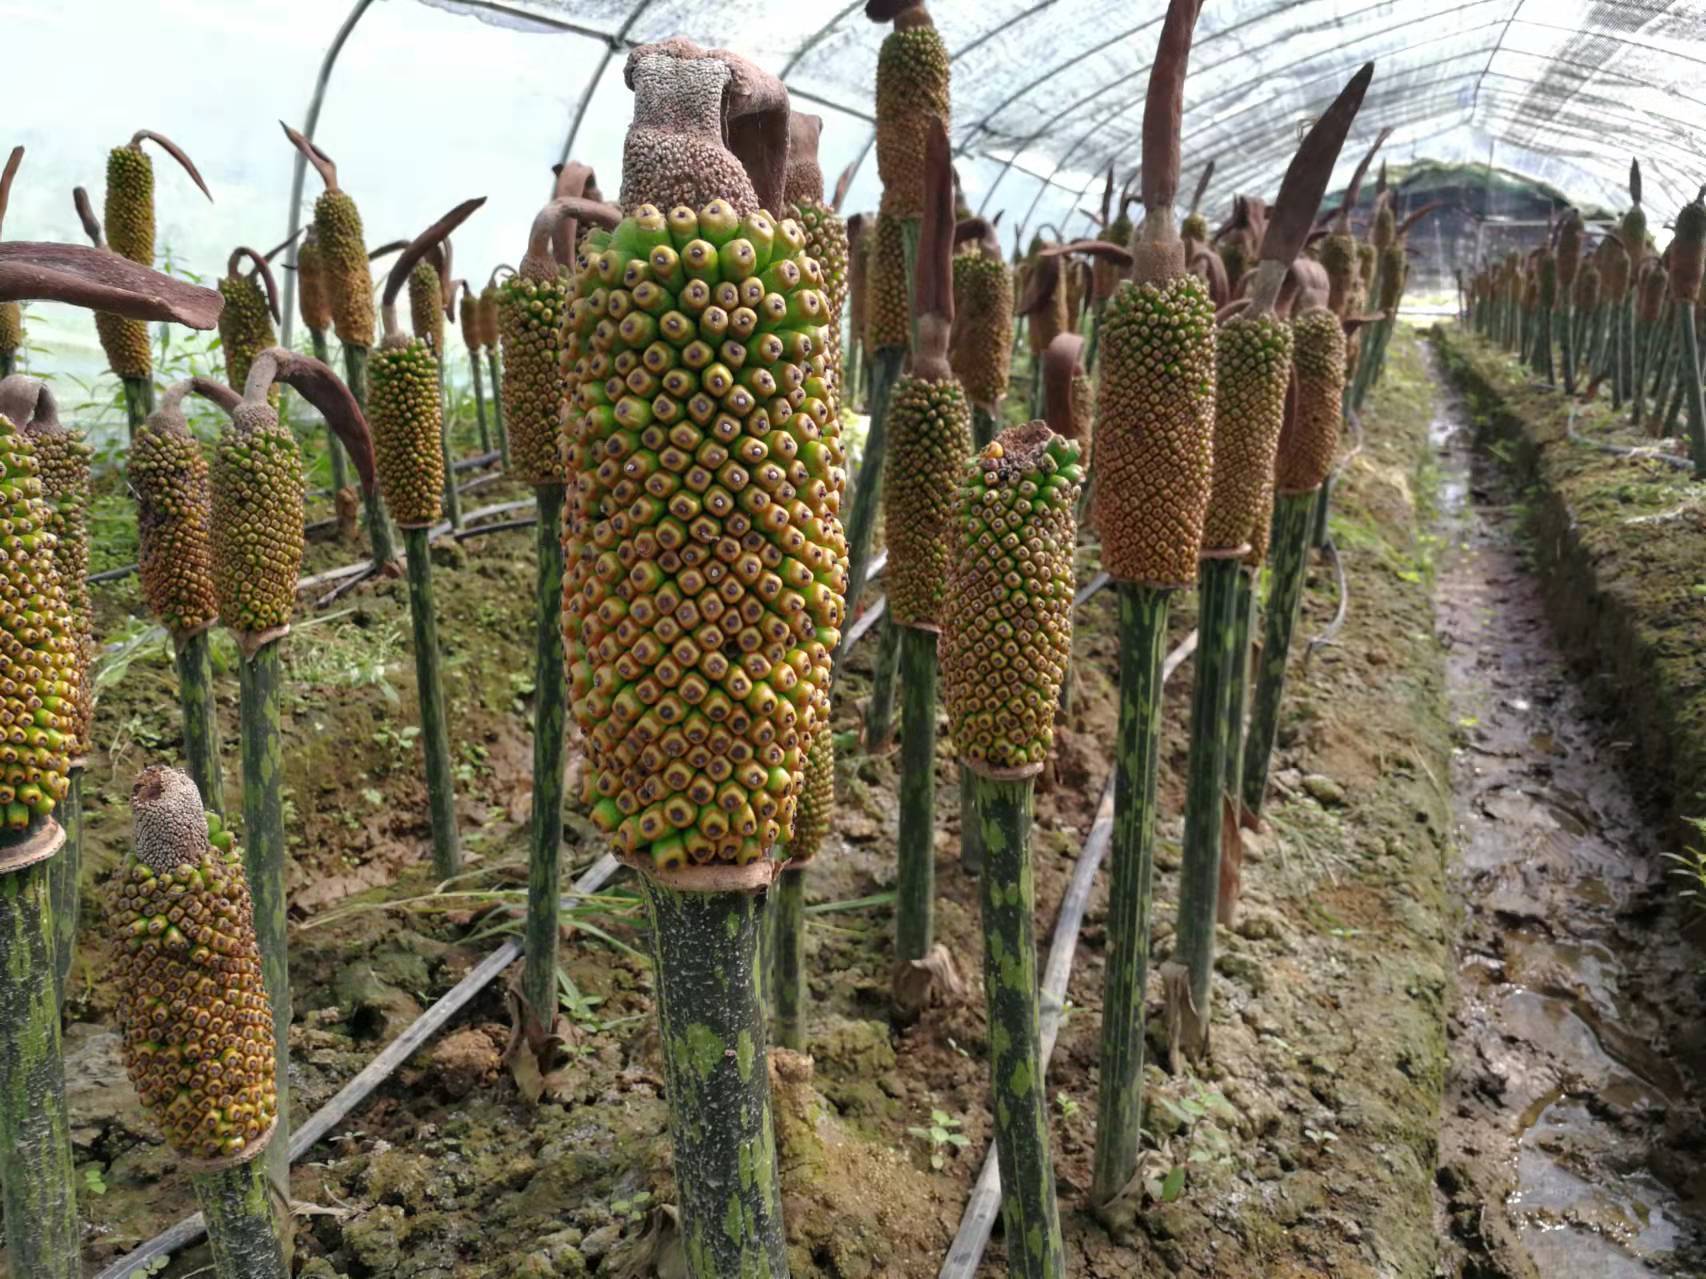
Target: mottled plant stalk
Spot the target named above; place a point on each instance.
(35, 1133)
(1691, 388)
(496, 369)
(242, 1223)
(971, 830)
(67, 880)
(867, 488)
(260, 712)
(915, 889)
(378, 519)
(539, 977)
(1188, 991)
(1626, 338)
(879, 714)
(452, 495)
(8, 363)
(1543, 349)
(1566, 337)
(334, 446)
(435, 727)
(1237, 708)
(982, 426)
(788, 957)
(193, 654)
(138, 400)
(715, 1066)
(1131, 861)
(1030, 1209)
(480, 402)
(1289, 559)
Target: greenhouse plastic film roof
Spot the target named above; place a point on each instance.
(1048, 93)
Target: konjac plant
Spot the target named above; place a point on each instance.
(429, 307)
(468, 320)
(704, 588)
(193, 1010)
(406, 422)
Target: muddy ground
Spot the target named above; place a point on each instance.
(1308, 1144)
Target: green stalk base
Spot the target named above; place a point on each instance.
(1030, 1210)
(1691, 389)
(1131, 861)
(1567, 340)
(67, 883)
(496, 368)
(1237, 707)
(788, 958)
(379, 534)
(983, 427)
(480, 402)
(718, 1081)
(194, 658)
(539, 973)
(260, 679)
(868, 487)
(1199, 874)
(139, 400)
(915, 888)
(42, 1234)
(334, 446)
(435, 726)
(971, 829)
(242, 1225)
(8, 363)
(879, 714)
(1288, 557)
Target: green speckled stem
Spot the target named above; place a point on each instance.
(35, 1135)
(452, 498)
(788, 957)
(138, 400)
(1543, 347)
(435, 718)
(982, 427)
(260, 680)
(194, 657)
(718, 1082)
(1691, 390)
(1237, 709)
(379, 532)
(480, 402)
(1199, 873)
(539, 975)
(242, 1225)
(1288, 557)
(1626, 344)
(971, 831)
(334, 446)
(879, 713)
(1567, 343)
(867, 488)
(1030, 1211)
(1131, 860)
(494, 364)
(67, 882)
(8, 363)
(915, 888)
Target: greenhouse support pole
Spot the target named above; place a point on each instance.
(550, 700)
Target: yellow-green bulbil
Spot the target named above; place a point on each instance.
(1339, 258)
(487, 313)
(705, 561)
(129, 209)
(468, 317)
(313, 298)
(11, 328)
(168, 474)
(257, 533)
(530, 315)
(245, 327)
(929, 442)
(912, 88)
(981, 348)
(126, 345)
(1007, 629)
(1252, 368)
(815, 808)
(39, 649)
(1311, 440)
(888, 309)
(826, 244)
(426, 306)
(403, 413)
(1194, 227)
(198, 1033)
(337, 226)
(1154, 430)
(62, 458)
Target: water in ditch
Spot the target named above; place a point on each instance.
(1557, 1153)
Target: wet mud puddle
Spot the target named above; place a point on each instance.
(1552, 1157)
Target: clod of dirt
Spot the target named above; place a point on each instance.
(468, 1059)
